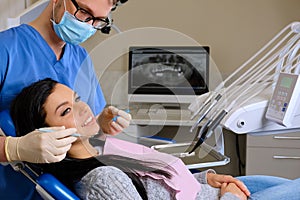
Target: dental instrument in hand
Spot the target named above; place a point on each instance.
(116, 117)
(49, 130)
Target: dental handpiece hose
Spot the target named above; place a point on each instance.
(203, 106)
(204, 128)
(216, 122)
(199, 142)
(209, 129)
(201, 135)
(218, 97)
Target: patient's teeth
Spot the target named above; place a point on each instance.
(87, 121)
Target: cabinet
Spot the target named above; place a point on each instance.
(277, 155)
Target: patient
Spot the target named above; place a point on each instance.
(117, 169)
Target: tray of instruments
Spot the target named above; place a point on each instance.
(204, 156)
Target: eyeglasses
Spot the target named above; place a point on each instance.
(84, 16)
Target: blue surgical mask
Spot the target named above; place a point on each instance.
(70, 30)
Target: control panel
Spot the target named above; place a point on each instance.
(285, 99)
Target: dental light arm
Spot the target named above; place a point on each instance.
(262, 82)
(276, 56)
(247, 75)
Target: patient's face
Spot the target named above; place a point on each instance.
(64, 108)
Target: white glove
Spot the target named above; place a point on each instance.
(37, 147)
(113, 121)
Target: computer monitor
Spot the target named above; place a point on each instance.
(169, 74)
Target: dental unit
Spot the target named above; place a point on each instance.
(253, 81)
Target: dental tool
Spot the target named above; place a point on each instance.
(49, 130)
(116, 117)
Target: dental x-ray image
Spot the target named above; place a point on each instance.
(169, 70)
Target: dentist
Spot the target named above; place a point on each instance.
(48, 47)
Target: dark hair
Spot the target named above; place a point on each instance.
(28, 114)
(27, 109)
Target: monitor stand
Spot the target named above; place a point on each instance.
(158, 110)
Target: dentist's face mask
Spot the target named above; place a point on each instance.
(70, 30)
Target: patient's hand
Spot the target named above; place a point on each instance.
(216, 180)
(233, 189)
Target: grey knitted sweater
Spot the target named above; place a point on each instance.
(110, 183)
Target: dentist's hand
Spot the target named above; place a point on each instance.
(37, 147)
(112, 120)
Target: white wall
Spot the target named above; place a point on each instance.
(11, 8)
(234, 29)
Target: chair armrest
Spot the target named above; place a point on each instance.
(55, 187)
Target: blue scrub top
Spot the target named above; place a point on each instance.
(25, 57)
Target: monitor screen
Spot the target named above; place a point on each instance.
(167, 74)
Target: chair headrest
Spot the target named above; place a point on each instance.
(6, 123)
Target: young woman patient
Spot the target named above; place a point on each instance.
(117, 169)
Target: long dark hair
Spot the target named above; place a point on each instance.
(28, 114)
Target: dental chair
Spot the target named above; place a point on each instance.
(46, 184)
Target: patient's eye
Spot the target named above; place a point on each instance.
(65, 112)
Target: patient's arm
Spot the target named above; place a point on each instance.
(213, 190)
(216, 180)
(106, 183)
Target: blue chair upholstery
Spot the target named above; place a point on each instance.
(47, 181)
(55, 188)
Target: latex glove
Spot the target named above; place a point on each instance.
(216, 180)
(233, 189)
(37, 147)
(113, 121)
